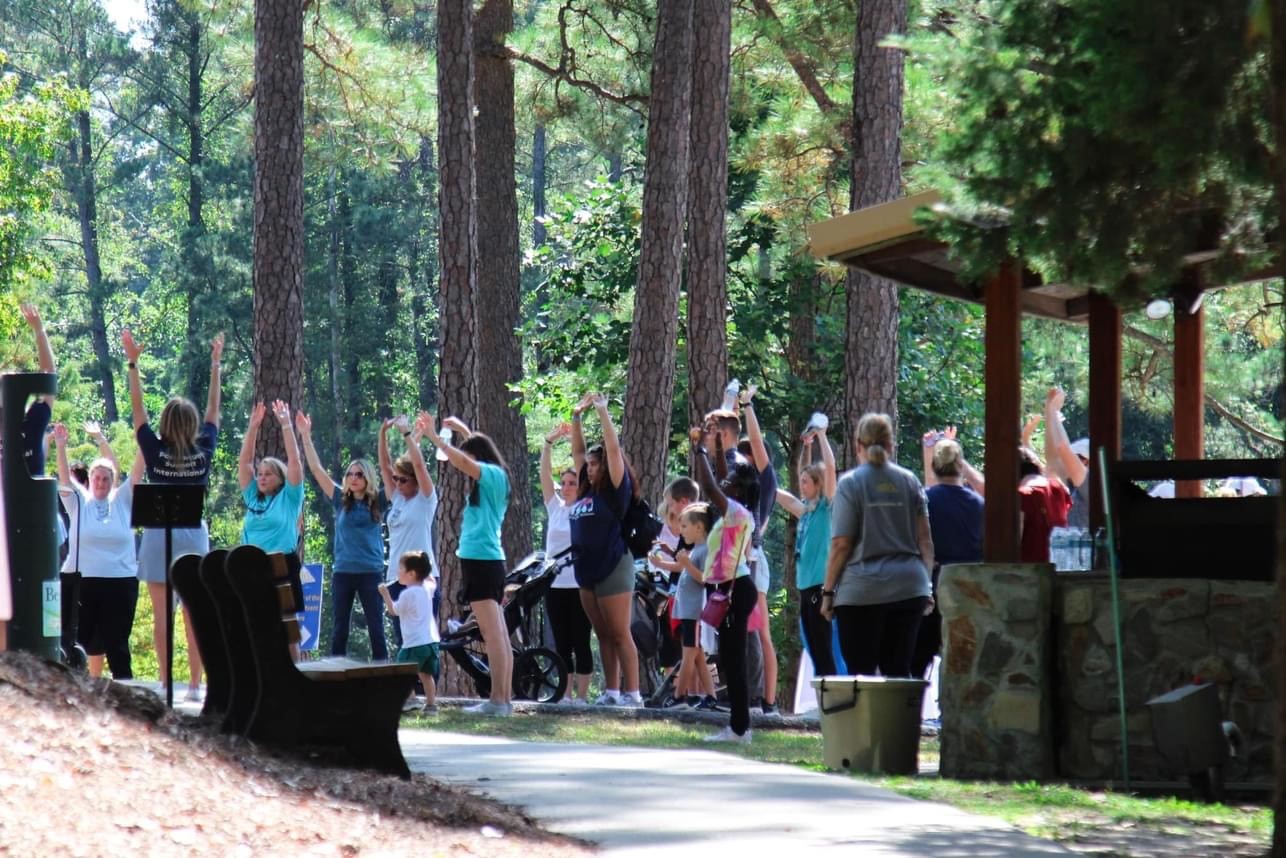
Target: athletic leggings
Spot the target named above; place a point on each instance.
(106, 617)
(817, 631)
(732, 651)
(879, 636)
(571, 627)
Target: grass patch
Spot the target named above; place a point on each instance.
(1053, 811)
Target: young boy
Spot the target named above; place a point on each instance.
(414, 609)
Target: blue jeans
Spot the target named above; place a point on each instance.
(365, 586)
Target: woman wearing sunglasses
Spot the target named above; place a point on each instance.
(413, 503)
(359, 504)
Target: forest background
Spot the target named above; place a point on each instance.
(127, 200)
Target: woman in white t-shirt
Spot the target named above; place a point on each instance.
(101, 548)
(413, 503)
(566, 614)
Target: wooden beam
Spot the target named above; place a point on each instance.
(1189, 393)
(1105, 394)
(1003, 391)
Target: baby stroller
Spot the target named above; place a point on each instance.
(538, 674)
(650, 627)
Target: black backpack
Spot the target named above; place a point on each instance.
(639, 527)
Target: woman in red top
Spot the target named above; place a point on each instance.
(1043, 504)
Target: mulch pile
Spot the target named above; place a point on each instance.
(90, 767)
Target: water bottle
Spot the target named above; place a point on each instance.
(1081, 540)
(730, 395)
(446, 435)
(816, 423)
(1058, 548)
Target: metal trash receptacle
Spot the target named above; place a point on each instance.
(870, 724)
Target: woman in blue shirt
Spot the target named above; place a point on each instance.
(359, 504)
(812, 542)
(273, 493)
(482, 559)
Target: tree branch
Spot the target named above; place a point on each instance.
(632, 101)
(803, 67)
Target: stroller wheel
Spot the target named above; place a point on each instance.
(539, 675)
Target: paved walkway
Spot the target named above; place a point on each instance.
(636, 801)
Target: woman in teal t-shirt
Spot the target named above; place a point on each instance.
(273, 492)
(482, 559)
(812, 542)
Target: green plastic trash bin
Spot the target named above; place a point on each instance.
(870, 724)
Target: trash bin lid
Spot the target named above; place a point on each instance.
(864, 681)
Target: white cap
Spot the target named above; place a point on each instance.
(1245, 487)
(1081, 447)
(1163, 489)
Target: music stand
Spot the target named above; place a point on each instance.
(168, 505)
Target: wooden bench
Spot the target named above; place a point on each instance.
(339, 703)
(1207, 537)
(206, 627)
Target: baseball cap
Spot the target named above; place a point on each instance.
(1081, 447)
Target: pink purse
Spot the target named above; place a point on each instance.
(716, 609)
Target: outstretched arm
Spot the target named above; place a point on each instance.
(60, 443)
(412, 434)
(705, 476)
(790, 503)
(132, 352)
(304, 426)
(548, 488)
(246, 459)
(757, 448)
(43, 350)
(386, 463)
(829, 476)
(578, 436)
(214, 397)
(294, 467)
(1058, 448)
(93, 430)
(928, 441)
(611, 443)
(458, 459)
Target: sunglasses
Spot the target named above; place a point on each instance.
(399, 479)
(355, 474)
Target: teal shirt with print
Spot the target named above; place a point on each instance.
(272, 523)
(480, 529)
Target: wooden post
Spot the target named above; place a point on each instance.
(1003, 392)
(1105, 394)
(1189, 393)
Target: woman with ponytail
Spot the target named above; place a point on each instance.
(877, 572)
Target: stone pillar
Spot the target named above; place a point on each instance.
(996, 680)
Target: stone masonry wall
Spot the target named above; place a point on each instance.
(996, 683)
(1173, 630)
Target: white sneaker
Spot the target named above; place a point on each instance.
(577, 701)
(194, 695)
(486, 707)
(726, 735)
(607, 700)
(630, 700)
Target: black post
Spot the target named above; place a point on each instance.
(168, 505)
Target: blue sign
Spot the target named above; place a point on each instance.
(310, 618)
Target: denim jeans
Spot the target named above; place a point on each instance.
(365, 586)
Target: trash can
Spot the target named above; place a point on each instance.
(870, 724)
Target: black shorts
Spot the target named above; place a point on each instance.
(483, 580)
(688, 632)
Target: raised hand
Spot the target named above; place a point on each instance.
(303, 424)
(60, 433)
(132, 349)
(426, 425)
(402, 423)
(562, 430)
(92, 429)
(256, 414)
(599, 401)
(748, 394)
(1054, 399)
(586, 402)
(458, 426)
(281, 410)
(696, 435)
(32, 315)
(386, 425)
(216, 348)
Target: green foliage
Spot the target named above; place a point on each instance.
(1107, 138)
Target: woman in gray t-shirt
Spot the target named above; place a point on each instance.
(877, 573)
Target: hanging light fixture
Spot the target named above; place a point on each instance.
(1158, 308)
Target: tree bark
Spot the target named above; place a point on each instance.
(1277, 97)
(650, 385)
(87, 213)
(871, 349)
(538, 205)
(458, 372)
(279, 209)
(708, 208)
(333, 237)
(195, 264)
(498, 269)
(424, 331)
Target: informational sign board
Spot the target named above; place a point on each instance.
(310, 575)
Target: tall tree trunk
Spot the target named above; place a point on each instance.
(708, 209)
(498, 269)
(871, 351)
(650, 385)
(279, 209)
(538, 206)
(458, 370)
(195, 264)
(87, 213)
(1277, 98)
(332, 300)
(424, 334)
